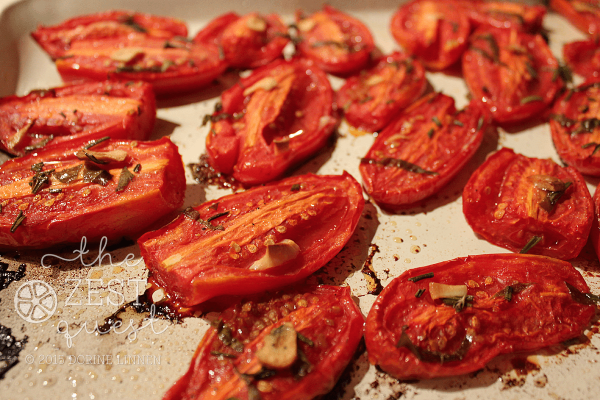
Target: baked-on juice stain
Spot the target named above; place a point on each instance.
(373, 282)
(10, 347)
(6, 277)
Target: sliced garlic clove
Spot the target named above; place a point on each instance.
(126, 54)
(276, 255)
(102, 156)
(280, 347)
(265, 84)
(443, 291)
(256, 23)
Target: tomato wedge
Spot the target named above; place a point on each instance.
(515, 202)
(584, 14)
(583, 57)
(250, 41)
(419, 328)
(121, 110)
(436, 32)
(263, 238)
(421, 150)
(270, 121)
(595, 232)
(505, 14)
(511, 74)
(311, 335)
(338, 43)
(105, 188)
(371, 99)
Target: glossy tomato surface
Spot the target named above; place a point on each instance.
(583, 57)
(584, 14)
(337, 42)
(511, 199)
(219, 247)
(512, 303)
(64, 193)
(512, 75)
(421, 150)
(505, 14)
(121, 110)
(595, 232)
(371, 98)
(326, 327)
(270, 121)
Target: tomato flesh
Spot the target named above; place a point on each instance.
(583, 57)
(511, 15)
(584, 14)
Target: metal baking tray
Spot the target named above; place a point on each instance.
(141, 360)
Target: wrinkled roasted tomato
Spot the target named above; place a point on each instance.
(421, 150)
(595, 232)
(338, 43)
(312, 334)
(436, 32)
(419, 328)
(583, 57)
(511, 74)
(371, 99)
(250, 41)
(270, 121)
(517, 202)
(260, 239)
(505, 14)
(584, 14)
(90, 111)
(64, 193)
(576, 128)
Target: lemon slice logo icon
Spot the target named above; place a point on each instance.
(35, 301)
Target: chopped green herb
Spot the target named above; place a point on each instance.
(221, 354)
(130, 22)
(590, 144)
(580, 297)
(124, 179)
(530, 99)
(532, 242)
(479, 123)
(40, 144)
(436, 121)
(421, 277)
(54, 191)
(458, 123)
(587, 126)
(63, 115)
(137, 168)
(532, 72)
(365, 100)
(432, 356)
(37, 167)
(430, 133)
(419, 293)
(218, 215)
(17, 222)
(295, 187)
(191, 214)
(398, 163)
(40, 179)
(95, 142)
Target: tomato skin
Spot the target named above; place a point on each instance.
(89, 209)
(511, 15)
(531, 320)
(511, 74)
(595, 232)
(255, 134)
(194, 264)
(336, 42)
(501, 203)
(436, 32)
(370, 100)
(583, 57)
(333, 346)
(584, 14)
(408, 138)
(121, 110)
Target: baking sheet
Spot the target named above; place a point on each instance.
(141, 360)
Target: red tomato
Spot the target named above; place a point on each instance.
(90, 111)
(270, 121)
(511, 199)
(497, 304)
(436, 32)
(263, 238)
(576, 128)
(595, 232)
(421, 150)
(511, 74)
(584, 14)
(505, 14)
(250, 41)
(57, 40)
(370, 100)
(64, 193)
(583, 57)
(299, 354)
(338, 43)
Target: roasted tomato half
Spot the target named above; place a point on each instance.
(583, 57)
(511, 74)
(421, 150)
(299, 354)
(436, 32)
(338, 43)
(57, 40)
(250, 41)
(595, 232)
(453, 317)
(529, 205)
(505, 14)
(104, 188)
(584, 14)
(371, 99)
(260, 239)
(121, 110)
(270, 121)
(576, 128)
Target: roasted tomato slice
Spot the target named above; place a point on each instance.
(436, 32)
(453, 317)
(270, 121)
(92, 110)
(505, 14)
(583, 57)
(575, 126)
(421, 150)
(370, 100)
(250, 41)
(64, 193)
(299, 354)
(595, 232)
(584, 14)
(517, 202)
(57, 40)
(263, 238)
(511, 74)
(338, 43)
